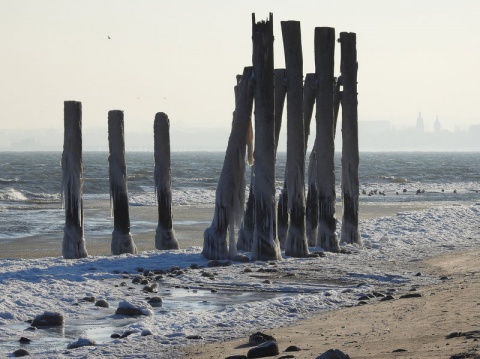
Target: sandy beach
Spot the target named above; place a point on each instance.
(440, 321)
(403, 328)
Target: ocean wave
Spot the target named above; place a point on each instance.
(14, 195)
(394, 179)
(9, 180)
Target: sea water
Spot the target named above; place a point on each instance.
(31, 183)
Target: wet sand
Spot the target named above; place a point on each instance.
(189, 223)
(443, 323)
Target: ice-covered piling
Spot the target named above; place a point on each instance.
(230, 194)
(350, 155)
(73, 245)
(265, 243)
(122, 241)
(296, 244)
(311, 205)
(164, 235)
(324, 144)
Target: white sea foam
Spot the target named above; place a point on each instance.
(30, 287)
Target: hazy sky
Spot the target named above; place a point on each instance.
(181, 57)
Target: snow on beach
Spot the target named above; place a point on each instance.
(241, 298)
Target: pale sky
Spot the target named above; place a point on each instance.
(181, 57)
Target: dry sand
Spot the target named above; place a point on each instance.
(401, 328)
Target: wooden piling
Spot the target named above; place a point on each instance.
(280, 83)
(265, 244)
(73, 245)
(350, 153)
(164, 235)
(122, 241)
(325, 147)
(296, 244)
(311, 205)
(230, 194)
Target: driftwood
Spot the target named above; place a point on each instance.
(73, 245)
(350, 155)
(230, 194)
(164, 235)
(122, 241)
(296, 244)
(265, 244)
(324, 145)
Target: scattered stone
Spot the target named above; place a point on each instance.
(89, 299)
(151, 288)
(288, 356)
(444, 278)
(137, 279)
(82, 342)
(146, 332)
(131, 309)
(387, 297)
(411, 295)
(242, 258)
(208, 274)
(259, 338)
(144, 281)
(140, 269)
(127, 333)
(248, 270)
(362, 302)
(194, 337)
(20, 353)
(320, 254)
(155, 301)
(148, 273)
(263, 350)
(102, 303)
(418, 274)
(194, 266)
(213, 291)
(473, 334)
(399, 350)
(313, 255)
(334, 354)
(267, 281)
(237, 357)
(378, 294)
(364, 297)
(24, 340)
(219, 263)
(293, 348)
(48, 319)
(115, 336)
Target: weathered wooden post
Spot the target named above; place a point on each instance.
(311, 206)
(324, 146)
(280, 83)
(350, 155)
(73, 245)
(122, 241)
(164, 235)
(296, 244)
(265, 244)
(230, 194)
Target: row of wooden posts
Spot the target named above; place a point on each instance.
(301, 221)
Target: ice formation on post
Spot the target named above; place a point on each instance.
(311, 206)
(164, 235)
(350, 155)
(324, 144)
(265, 243)
(73, 245)
(296, 244)
(122, 241)
(230, 194)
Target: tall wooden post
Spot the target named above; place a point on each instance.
(325, 147)
(280, 83)
(265, 244)
(311, 206)
(122, 241)
(73, 245)
(230, 194)
(350, 154)
(296, 244)
(164, 235)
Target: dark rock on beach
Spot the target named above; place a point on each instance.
(155, 301)
(237, 357)
(259, 338)
(263, 350)
(24, 340)
(82, 342)
(89, 299)
(194, 337)
(293, 348)
(334, 354)
(20, 353)
(387, 297)
(102, 303)
(48, 319)
(411, 295)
